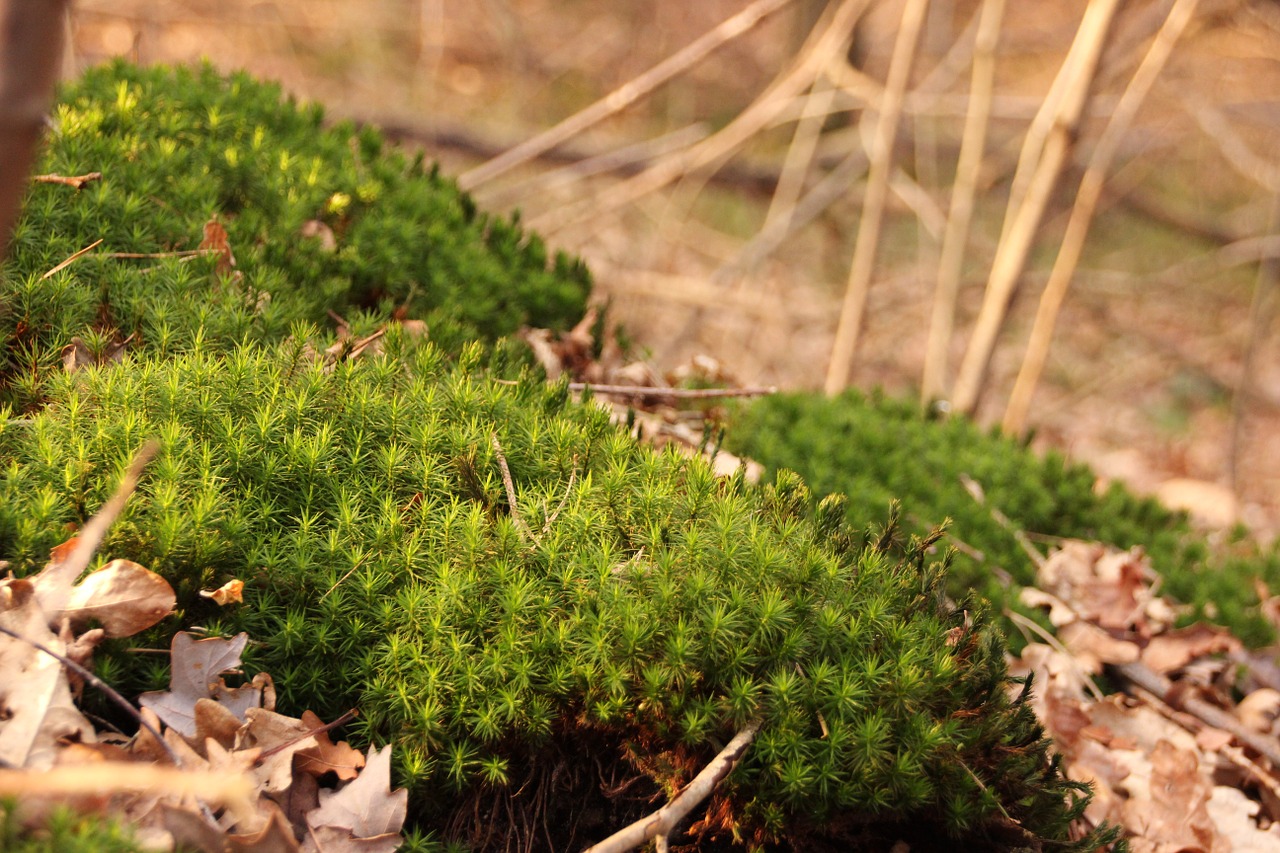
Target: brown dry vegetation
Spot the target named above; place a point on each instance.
(1145, 378)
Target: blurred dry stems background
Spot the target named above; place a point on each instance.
(1055, 216)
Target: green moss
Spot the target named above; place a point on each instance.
(633, 597)
(876, 450)
(177, 148)
(64, 832)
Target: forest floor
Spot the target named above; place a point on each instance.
(1162, 330)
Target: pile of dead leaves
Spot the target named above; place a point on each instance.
(1185, 757)
(212, 767)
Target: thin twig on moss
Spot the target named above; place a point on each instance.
(73, 258)
(510, 488)
(676, 393)
(660, 823)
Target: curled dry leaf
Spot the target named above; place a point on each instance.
(123, 597)
(230, 592)
(216, 240)
(314, 229)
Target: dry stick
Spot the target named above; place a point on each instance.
(73, 181)
(804, 142)
(881, 155)
(1086, 203)
(632, 157)
(677, 393)
(662, 821)
(780, 95)
(510, 488)
(624, 95)
(1153, 682)
(968, 167)
(72, 259)
(1015, 245)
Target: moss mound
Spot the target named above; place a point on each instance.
(632, 597)
(179, 148)
(876, 450)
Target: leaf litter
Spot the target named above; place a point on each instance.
(212, 767)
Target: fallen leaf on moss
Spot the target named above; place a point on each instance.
(123, 597)
(196, 667)
(230, 592)
(364, 815)
(326, 756)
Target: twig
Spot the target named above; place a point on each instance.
(661, 822)
(818, 52)
(872, 218)
(1140, 674)
(510, 488)
(75, 181)
(676, 393)
(110, 691)
(318, 730)
(573, 474)
(72, 259)
(968, 167)
(624, 95)
(1087, 197)
(1021, 224)
(186, 253)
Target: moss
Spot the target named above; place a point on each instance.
(631, 594)
(65, 832)
(178, 148)
(876, 450)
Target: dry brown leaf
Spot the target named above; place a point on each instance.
(314, 229)
(1092, 647)
(214, 721)
(35, 695)
(230, 592)
(1174, 649)
(279, 737)
(194, 675)
(327, 757)
(217, 240)
(364, 810)
(1234, 817)
(1175, 817)
(1258, 710)
(123, 597)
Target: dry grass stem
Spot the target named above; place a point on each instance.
(509, 486)
(960, 216)
(799, 159)
(624, 95)
(75, 256)
(1021, 225)
(817, 53)
(869, 224)
(674, 393)
(1086, 203)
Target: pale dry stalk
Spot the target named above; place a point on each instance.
(625, 95)
(1086, 203)
(806, 67)
(1020, 232)
(804, 142)
(968, 168)
(869, 224)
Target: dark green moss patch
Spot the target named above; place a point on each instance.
(632, 597)
(178, 148)
(876, 450)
